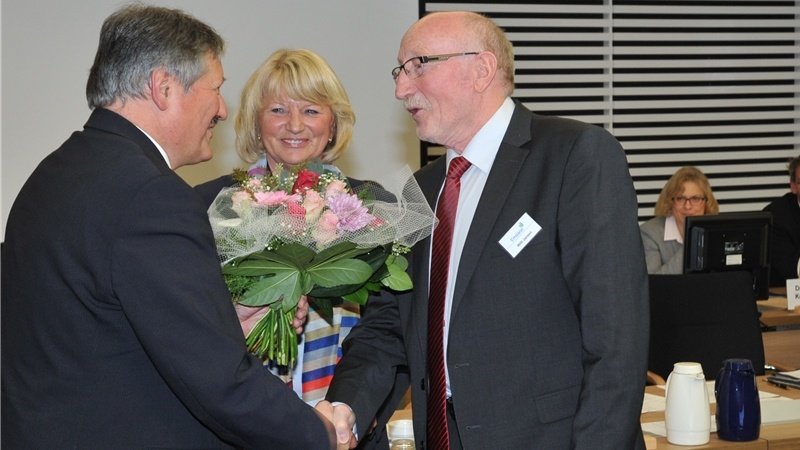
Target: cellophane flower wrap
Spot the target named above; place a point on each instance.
(306, 231)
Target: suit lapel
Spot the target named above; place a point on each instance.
(502, 177)
(430, 179)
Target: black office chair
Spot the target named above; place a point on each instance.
(705, 318)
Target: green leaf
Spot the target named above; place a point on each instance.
(374, 286)
(376, 257)
(340, 273)
(268, 255)
(339, 251)
(328, 293)
(284, 285)
(398, 260)
(398, 279)
(323, 307)
(306, 284)
(300, 255)
(379, 274)
(360, 296)
(256, 268)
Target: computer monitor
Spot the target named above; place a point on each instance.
(730, 241)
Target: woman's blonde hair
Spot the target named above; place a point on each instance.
(674, 188)
(299, 74)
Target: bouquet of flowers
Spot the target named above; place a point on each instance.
(306, 231)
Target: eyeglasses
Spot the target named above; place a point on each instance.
(694, 200)
(413, 66)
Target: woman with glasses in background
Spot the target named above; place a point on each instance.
(687, 193)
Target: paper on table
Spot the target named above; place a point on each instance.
(660, 428)
(653, 402)
(774, 410)
(793, 292)
(779, 410)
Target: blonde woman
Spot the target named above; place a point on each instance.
(295, 109)
(687, 193)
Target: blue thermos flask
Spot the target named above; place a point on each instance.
(738, 407)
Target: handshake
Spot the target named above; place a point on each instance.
(343, 422)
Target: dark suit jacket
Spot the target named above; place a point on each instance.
(117, 327)
(785, 241)
(546, 350)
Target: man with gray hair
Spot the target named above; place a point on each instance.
(529, 319)
(118, 330)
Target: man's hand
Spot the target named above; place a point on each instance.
(343, 420)
(250, 315)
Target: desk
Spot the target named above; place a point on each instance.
(777, 436)
(782, 347)
(775, 314)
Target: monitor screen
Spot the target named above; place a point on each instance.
(730, 241)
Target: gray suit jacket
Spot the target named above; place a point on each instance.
(548, 349)
(663, 257)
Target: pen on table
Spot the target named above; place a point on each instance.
(784, 382)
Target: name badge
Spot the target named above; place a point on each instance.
(519, 235)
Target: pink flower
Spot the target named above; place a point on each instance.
(296, 210)
(325, 231)
(353, 215)
(314, 204)
(335, 187)
(272, 198)
(297, 215)
(377, 222)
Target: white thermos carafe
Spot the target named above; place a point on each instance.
(687, 414)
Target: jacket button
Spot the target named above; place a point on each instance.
(422, 384)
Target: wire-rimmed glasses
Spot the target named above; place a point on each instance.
(413, 66)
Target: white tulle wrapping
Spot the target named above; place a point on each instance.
(404, 218)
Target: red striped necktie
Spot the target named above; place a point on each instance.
(440, 262)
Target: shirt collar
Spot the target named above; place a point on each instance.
(160, 149)
(483, 147)
(671, 232)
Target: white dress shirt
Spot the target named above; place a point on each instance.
(480, 152)
(671, 232)
(160, 150)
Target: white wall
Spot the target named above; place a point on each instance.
(48, 47)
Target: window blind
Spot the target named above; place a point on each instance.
(712, 84)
